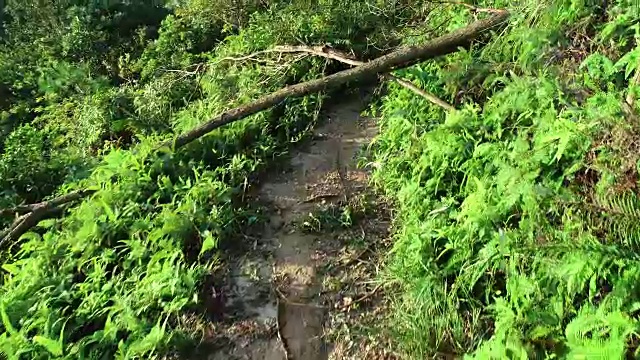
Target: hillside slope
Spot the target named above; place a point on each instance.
(515, 214)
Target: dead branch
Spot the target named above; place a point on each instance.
(402, 57)
(360, 299)
(334, 54)
(36, 213)
(430, 97)
(324, 51)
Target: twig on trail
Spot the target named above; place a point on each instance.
(402, 57)
(362, 298)
(355, 258)
(318, 197)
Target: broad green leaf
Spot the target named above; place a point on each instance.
(10, 268)
(208, 243)
(31, 236)
(6, 322)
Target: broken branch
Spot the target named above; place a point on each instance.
(403, 57)
(36, 213)
(333, 54)
(430, 97)
(339, 56)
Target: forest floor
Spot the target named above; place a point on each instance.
(309, 287)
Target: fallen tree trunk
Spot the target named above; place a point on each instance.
(402, 57)
(330, 53)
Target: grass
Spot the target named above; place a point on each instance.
(516, 231)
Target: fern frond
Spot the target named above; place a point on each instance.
(617, 217)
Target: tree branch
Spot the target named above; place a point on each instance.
(36, 213)
(331, 53)
(430, 97)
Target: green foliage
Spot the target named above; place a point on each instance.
(515, 235)
(517, 216)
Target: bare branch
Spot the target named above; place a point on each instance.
(430, 97)
(37, 212)
(330, 53)
(402, 57)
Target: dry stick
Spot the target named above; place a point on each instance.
(434, 99)
(324, 51)
(402, 57)
(362, 298)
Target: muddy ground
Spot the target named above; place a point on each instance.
(308, 288)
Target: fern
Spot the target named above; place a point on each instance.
(617, 216)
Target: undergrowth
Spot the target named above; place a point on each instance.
(516, 234)
(85, 100)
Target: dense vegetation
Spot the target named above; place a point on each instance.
(516, 233)
(518, 213)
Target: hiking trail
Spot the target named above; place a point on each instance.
(293, 290)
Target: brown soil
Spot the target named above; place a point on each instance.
(302, 290)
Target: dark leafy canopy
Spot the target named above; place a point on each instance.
(517, 217)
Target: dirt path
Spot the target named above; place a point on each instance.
(291, 295)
